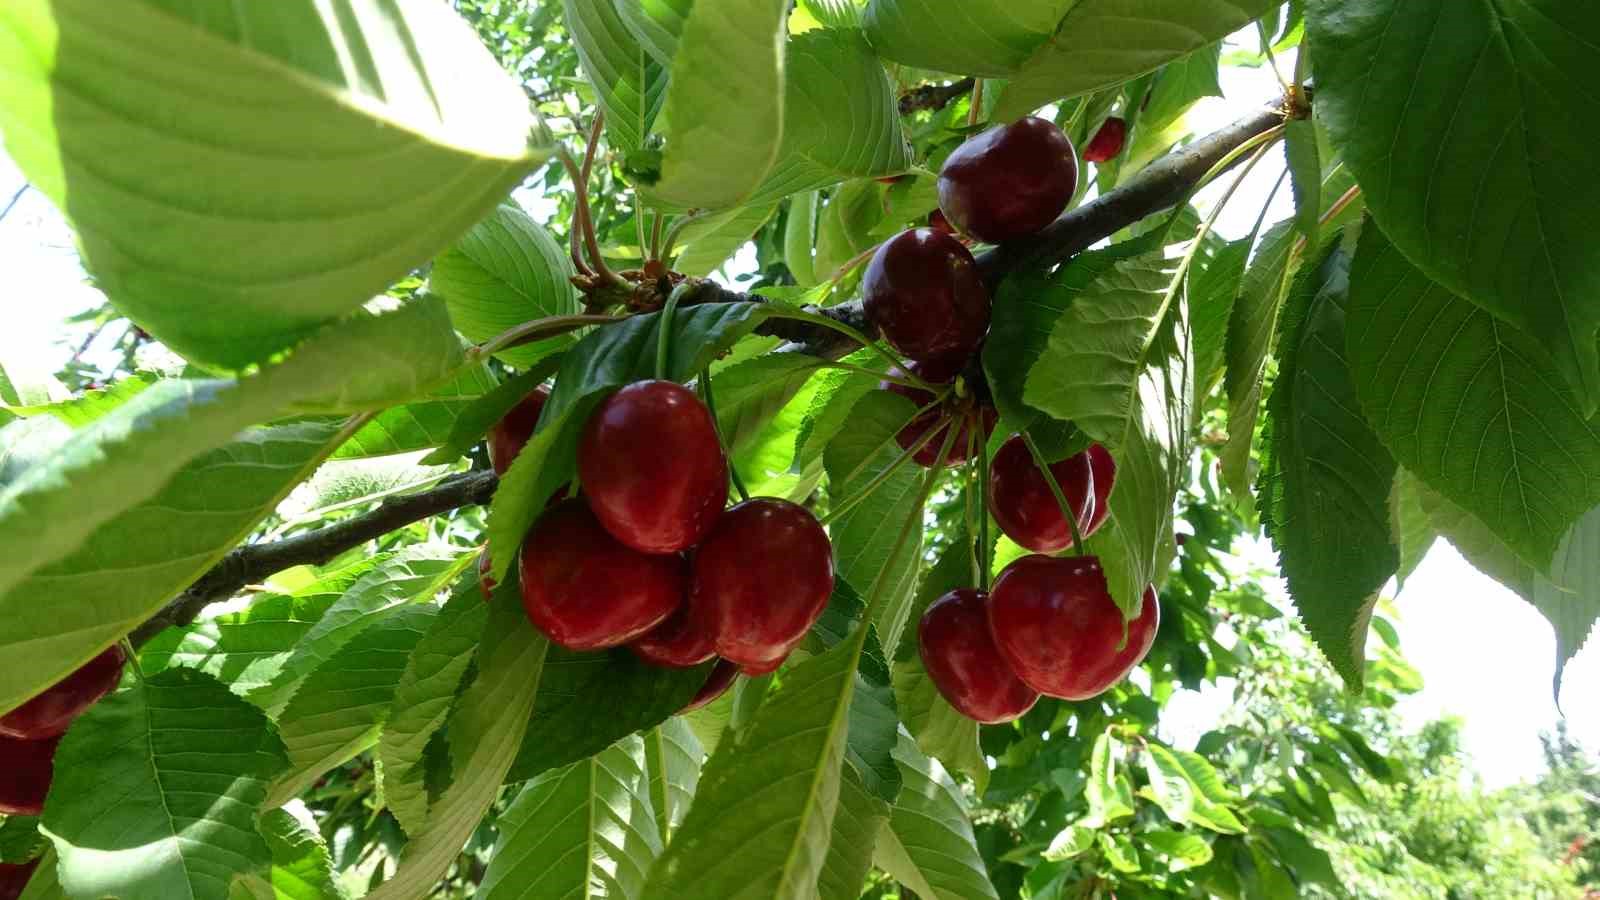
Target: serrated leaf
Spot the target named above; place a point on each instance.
(979, 37)
(1325, 477)
(751, 392)
(929, 845)
(629, 84)
(505, 271)
(1100, 43)
(857, 826)
(1477, 187)
(585, 830)
(1184, 851)
(656, 24)
(1179, 84)
(157, 788)
(708, 243)
(1188, 790)
(390, 131)
(1213, 287)
(1471, 406)
(1412, 532)
(837, 392)
(1305, 175)
(799, 238)
(476, 418)
(340, 484)
(674, 756)
(301, 867)
(1109, 795)
(1251, 327)
(422, 423)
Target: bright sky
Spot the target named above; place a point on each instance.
(1486, 656)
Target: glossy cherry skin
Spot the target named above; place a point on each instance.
(652, 467)
(14, 877)
(923, 292)
(1023, 505)
(1105, 476)
(25, 771)
(717, 684)
(762, 578)
(938, 419)
(1107, 142)
(1055, 623)
(50, 714)
(511, 433)
(683, 641)
(1010, 181)
(585, 590)
(960, 656)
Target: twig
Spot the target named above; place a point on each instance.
(933, 96)
(14, 198)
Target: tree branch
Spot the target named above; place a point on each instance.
(933, 96)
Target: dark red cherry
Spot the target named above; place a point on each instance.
(1107, 142)
(485, 578)
(960, 656)
(717, 684)
(762, 578)
(14, 877)
(50, 714)
(1010, 181)
(1055, 623)
(922, 291)
(1105, 476)
(939, 419)
(1023, 505)
(511, 433)
(25, 770)
(652, 467)
(585, 590)
(683, 641)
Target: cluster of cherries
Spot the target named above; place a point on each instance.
(649, 556)
(1049, 626)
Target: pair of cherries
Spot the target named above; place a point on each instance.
(649, 557)
(30, 733)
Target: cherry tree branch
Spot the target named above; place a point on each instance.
(933, 96)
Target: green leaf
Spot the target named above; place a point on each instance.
(505, 271)
(761, 820)
(1305, 175)
(1188, 790)
(1471, 406)
(1100, 43)
(656, 24)
(1325, 477)
(1119, 365)
(585, 830)
(25, 443)
(750, 393)
(674, 757)
(1072, 841)
(486, 728)
(835, 13)
(20, 839)
(857, 826)
(63, 615)
(1251, 327)
(992, 38)
(1180, 84)
(712, 241)
(1478, 187)
(1213, 287)
(422, 700)
(44, 885)
(476, 418)
(730, 55)
(799, 237)
(1411, 530)
(929, 845)
(601, 362)
(157, 788)
(422, 423)
(1109, 796)
(629, 84)
(1184, 851)
(837, 392)
(845, 226)
(337, 711)
(385, 130)
(864, 537)
(301, 867)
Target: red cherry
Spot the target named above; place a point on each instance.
(585, 590)
(762, 578)
(937, 418)
(1105, 476)
(652, 467)
(1054, 621)
(1023, 505)
(511, 433)
(14, 877)
(960, 656)
(25, 770)
(485, 578)
(683, 641)
(1010, 181)
(1107, 142)
(717, 684)
(49, 714)
(922, 290)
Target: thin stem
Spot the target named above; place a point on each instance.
(1055, 491)
(878, 480)
(657, 221)
(711, 404)
(1261, 141)
(1272, 58)
(976, 107)
(1337, 207)
(575, 238)
(908, 381)
(580, 180)
(849, 265)
(669, 242)
(638, 228)
(132, 653)
(664, 328)
(913, 521)
(858, 337)
(983, 511)
(973, 474)
(538, 329)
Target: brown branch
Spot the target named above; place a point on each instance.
(933, 96)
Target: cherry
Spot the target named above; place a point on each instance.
(1105, 475)
(762, 578)
(652, 467)
(939, 418)
(1010, 181)
(511, 433)
(585, 590)
(1054, 621)
(49, 714)
(1107, 141)
(14, 877)
(25, 771)
(960, 656)
(938, 222)
(717, 684)
(683, 641)
(923, 292)
(1023, 505)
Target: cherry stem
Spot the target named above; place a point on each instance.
(975, 108)
(1055, 490)
(815, 319)
(877, 480)
(538, 329)
(580, 183)
(913, 522)
(863, 370)
(1263, 140)
(983, 509)
(711, 404)
(638, 227)
(657, 220)
(132, 654)
(669, 243)
(974, 472)
(664, 329)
